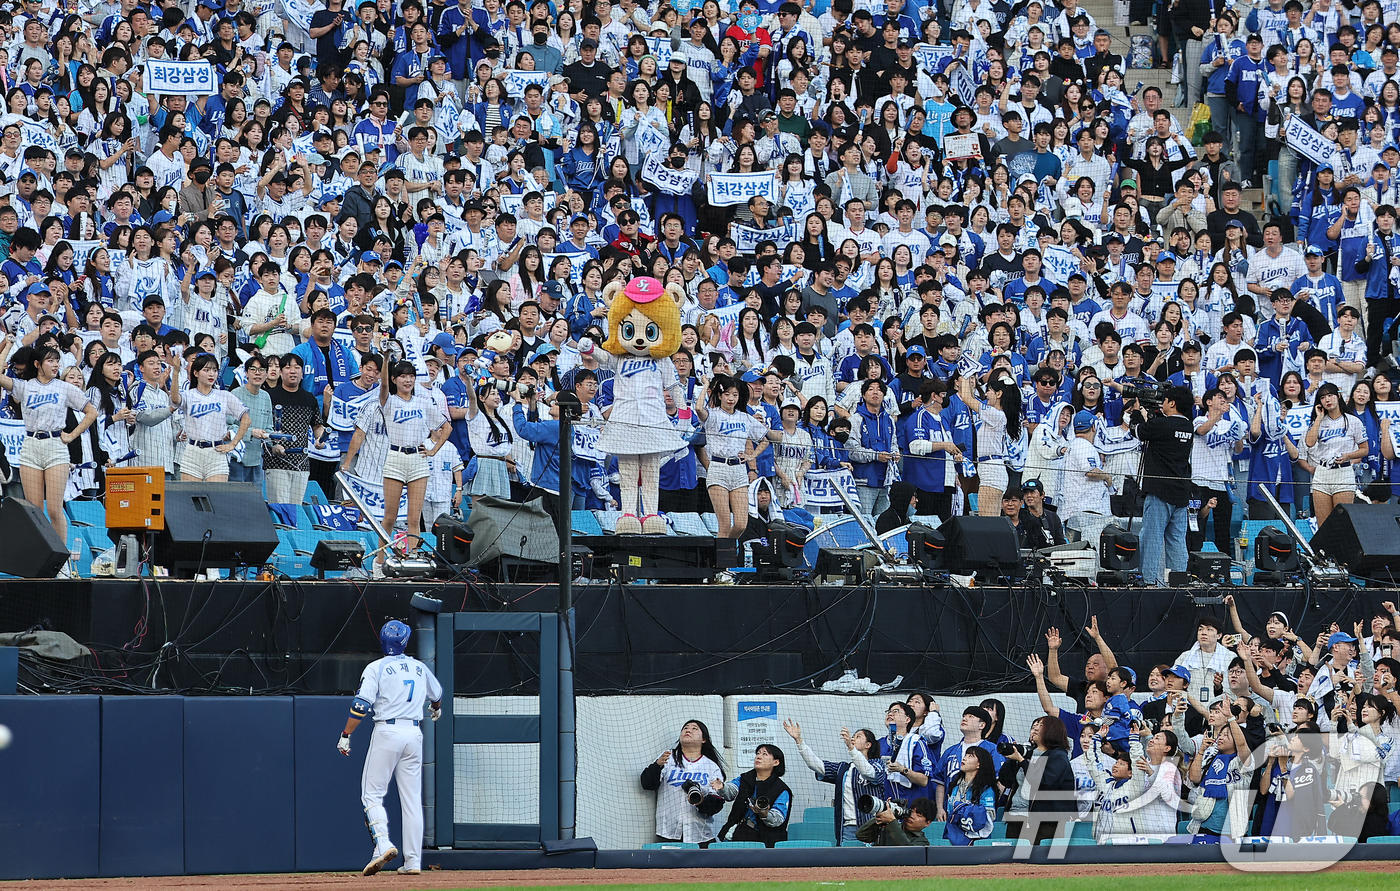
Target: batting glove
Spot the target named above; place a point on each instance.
(344, 744)
(434, 712)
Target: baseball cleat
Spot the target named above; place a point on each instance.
(380, 862)
(409, 871)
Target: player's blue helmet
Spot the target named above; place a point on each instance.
(393, 637)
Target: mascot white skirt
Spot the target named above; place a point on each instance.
(644, 331)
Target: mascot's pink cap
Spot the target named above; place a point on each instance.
(644, 289)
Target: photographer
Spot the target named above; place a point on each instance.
(693, 765)
(1167, 438)
(1042, 782)
(887, 830)
(762, 801)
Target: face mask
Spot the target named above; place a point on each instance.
(541, 39)
(748, 22)
(841, 436)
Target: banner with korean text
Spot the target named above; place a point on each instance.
(196, 78)
(729, 189)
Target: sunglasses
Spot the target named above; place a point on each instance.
(364, 329)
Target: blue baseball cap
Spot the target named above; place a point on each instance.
(371, 257)
(1339, 637)
(1314, 251)
(444, 342)
(752, 376)
(915, 350)
(1180, 671)
(1084, 420)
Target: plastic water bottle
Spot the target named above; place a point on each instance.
(74, 552)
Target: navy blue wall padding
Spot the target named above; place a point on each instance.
(9, 670)
(331, 832)
(239, 785)
(49, 816)
(143, 786)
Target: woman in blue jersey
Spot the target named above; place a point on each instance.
(908, 763)
(861, 774)
(972, 802)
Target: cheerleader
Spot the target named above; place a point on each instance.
(206, 413)
(107, 391)
(43, 460)
(417, 427)
(492, 440)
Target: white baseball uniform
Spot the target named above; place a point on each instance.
(396, 688)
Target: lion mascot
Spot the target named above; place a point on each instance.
(644, 331)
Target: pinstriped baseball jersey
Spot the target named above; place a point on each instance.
(397, 686)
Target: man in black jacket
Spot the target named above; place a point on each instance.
(1166, 438)
(1230, 209)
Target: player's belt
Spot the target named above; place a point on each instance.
(202, 444)
(42, 434)
(400, 721)
(407, 450)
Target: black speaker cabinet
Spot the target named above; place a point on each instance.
(1365, 538)
(214, 526)
(454, 540)
(987, 546)
(31, 549)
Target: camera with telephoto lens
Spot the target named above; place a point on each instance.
(871, 805)
(1006, 748)
(507, 387)
(761, 804)
(694, 792)
(1148, 393)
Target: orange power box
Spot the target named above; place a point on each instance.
(136, 498)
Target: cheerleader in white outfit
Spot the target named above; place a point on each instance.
(417, 428)
(206, 415)
(44, 401)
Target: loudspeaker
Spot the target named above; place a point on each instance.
(32, 549)
(454, 540)
(927, 546)
(1365, 538)
(988, 546)
(214, 526)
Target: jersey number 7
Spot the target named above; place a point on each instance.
(409, 682)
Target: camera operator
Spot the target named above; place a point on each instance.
(1167, 438)
(886, 829)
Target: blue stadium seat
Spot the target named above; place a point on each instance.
(315, 494)
(1383, 840)
(96, 538)
(995, 842)
(1394, 794)
(585, 523)
(690, 524)
(1044, 842)
(86, 513)
(1082, 829)
(844, 532)
(998, 830)
(734, 845)
(819, 815)
(661, 846)
(805, 843)
(935, 830)
(607, 520)
(1183, 827)
(939, 842)
(817, 831)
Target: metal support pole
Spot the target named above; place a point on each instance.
(425, 618)
(569, 411)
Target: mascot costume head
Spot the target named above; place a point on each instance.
(644, 331)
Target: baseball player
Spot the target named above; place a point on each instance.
(393, 689)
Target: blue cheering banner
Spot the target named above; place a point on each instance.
(961, 82)
(747, 238)
(34, 133)
(729, 189)
(195, 78)
(517, 81)
(931, 57)
(1308, 142)
(576, 264)
(820, 488)
(81, 251)
(667, 179)
(660, 47)
(12, 435)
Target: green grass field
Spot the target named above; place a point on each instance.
(1235, 881)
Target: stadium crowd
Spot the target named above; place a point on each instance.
(927, 249)
(1309, 728)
